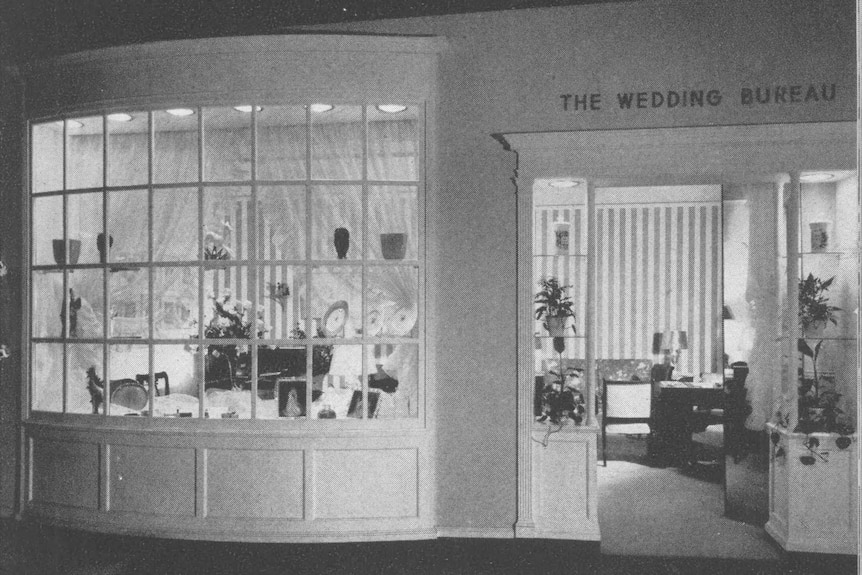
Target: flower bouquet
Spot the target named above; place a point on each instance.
(231, 319)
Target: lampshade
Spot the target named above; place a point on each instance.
(726, 312)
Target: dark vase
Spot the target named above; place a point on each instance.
(342, 242)
(60, 251)
(100, 245)
(393, 246)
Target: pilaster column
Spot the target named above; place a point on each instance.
(590, 315)
(791, 309)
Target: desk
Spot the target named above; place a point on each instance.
(673, 419)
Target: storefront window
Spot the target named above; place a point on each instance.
(252, 261)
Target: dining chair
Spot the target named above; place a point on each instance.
(626, 407)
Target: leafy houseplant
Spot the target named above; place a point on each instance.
(555, 305)
(818, 407)
(232, 319)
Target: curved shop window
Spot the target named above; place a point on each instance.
(259, 261)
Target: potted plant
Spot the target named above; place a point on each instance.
(559, 400)
(555, 306)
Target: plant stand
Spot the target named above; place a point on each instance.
(813, 508)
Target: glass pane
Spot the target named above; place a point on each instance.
(176, 384)
(281, 143)
(47, 304)
(84, 224)
(393, 142)
(281, 382)
(127, 227)
(175, 225)
(47, 146)
(128, 367)
(393, 222)
(340, 386)
(570, 273)
(336, 300)
(86, 378)
(282, 295)
(48, 246)
(129, 305)
(393, 390)
(228, 381)
(175, 151)
(84, 158)
(86, 299)
(227, 144)
(47, 373)
(392, 300)
(227, 229)
(229, 313)
(281, 217)
(175, 303)
(336, 143)
(336, 222)
(128, 148)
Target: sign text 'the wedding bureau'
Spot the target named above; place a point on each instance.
(746, 96)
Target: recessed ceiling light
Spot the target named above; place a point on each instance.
(247, 109)
(74, 124)
(120, 117)
(564, 183)
(391, 108)
(816, 177)
(321, 108)
(180, 111)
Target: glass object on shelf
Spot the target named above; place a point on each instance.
(85, 370)
(48, 231)
(227, 380)
(281, 293)
(175, 149)
(393, 142)
(84, 141)
(560, 230)
(228, 311)
(336, 143)
(84, 224)
(86, 302)
(128, 148)
(281, 143)
(175, 302)
(175, 384)
(392, 301)
(128, 227)
(336, 300)
(227, 144)
(128, 395)
(47, 144)
(175, 225)
(393, 222)
(336, 222)
(47, 318)
(227, 229)
(571, 273)
(128, 300)
(393, 380)
(337, 386)
(281, 222)
(281, 382)
(46, 392)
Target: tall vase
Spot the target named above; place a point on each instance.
(342, 242)
(393, 246)
(100, 245)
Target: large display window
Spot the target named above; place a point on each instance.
(253, 261)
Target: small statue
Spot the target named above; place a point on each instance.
(96, 387)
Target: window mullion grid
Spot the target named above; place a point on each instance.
(202, 351)
(309, 268)
(421, 183)
(253, 278)
(363, 262)
(106, 327)
(151, 352)
(67, 303)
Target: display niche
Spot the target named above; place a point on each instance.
(259, 261)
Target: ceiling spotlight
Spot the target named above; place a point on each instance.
(816, 177)
(321, 108)
(180, 112)
(391, 108)
(74, 124)
(247, 109)
(564, 183)
(120, 117)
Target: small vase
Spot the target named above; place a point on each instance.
(59, 247)
(100, 245)
(342, 242)
(393, 246)
(556, 326)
